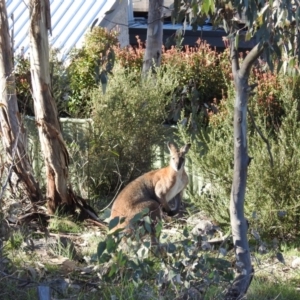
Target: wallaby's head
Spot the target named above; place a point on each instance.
(177, 156)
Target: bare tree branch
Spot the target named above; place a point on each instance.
(251, 57)
(262, 136)
(234, 56)
(10, 169)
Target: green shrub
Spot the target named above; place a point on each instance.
(131, 58)
(202, 75)
(178, 265)
(59, 83)
(128, 125)
(23, 85)
(272, 196)
(89, 66)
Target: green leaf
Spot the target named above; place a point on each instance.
(105, 257)
(173, 17)
(280, 257)
(113, 270)
(279, 65)
(175, 11)
(228, 276)
(103, 80)
(248, 36)
(195, 95)
(264, 9)
(186, 284)
(121, 259)
(105, 214)
(236, 40)
(111, 57)
(185, 24)
(147, 244)
(171, 274)
(206, 6)
(280, 18)
(111, 245)
(277, 50)
(114, 153)
(171, 248)
(292, 63)
(212, 6)
(269, 59)
(185, 232)
(137, 218)
(145, 211)
(181, 16)
(297, 15)
(101, 248)
(169, 42)
(133, 265)
(97, 76)
(140, 232)
(113, 223)
(103, 77)
(137, 276)
(225, 26)
(147, 223)
(142, 252)
(158, 228)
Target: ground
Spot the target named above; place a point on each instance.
(64, 256)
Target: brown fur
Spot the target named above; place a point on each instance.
(153, 190)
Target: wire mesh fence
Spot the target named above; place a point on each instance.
(78, 134)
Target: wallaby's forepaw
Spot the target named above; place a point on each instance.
(172, 213)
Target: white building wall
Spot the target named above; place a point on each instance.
(118, 19)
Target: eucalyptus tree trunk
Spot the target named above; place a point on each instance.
(52, 144)
(238, 222)
(12, 130)
(152, 56)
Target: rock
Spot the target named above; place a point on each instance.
(203, 227)
(262, 249)
(296, 263)
(205, 246)
(194, 219)
(59, 284)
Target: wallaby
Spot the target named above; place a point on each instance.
(154, 190)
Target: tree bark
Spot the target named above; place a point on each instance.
(152, 56)
(52, 144)
(238, 221)
(12, 130)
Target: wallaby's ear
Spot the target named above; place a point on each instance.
(184, 149)
(172, 147)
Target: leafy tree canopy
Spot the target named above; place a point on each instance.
(273, 24)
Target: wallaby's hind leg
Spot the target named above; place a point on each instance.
(155, 216)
